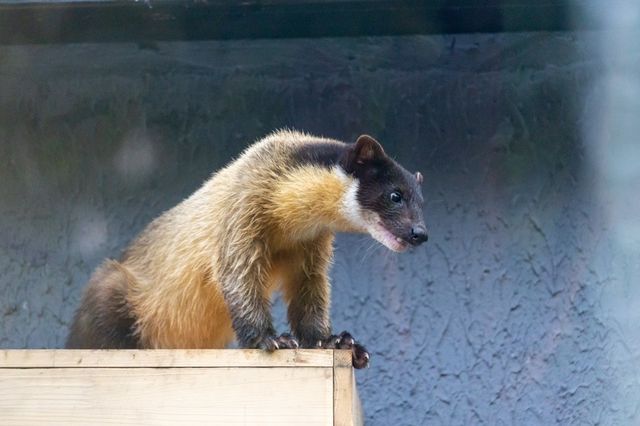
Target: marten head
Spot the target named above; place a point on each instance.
(386, 200)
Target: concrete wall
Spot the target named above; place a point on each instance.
(521, 309)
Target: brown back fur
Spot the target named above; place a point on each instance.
(251, 217)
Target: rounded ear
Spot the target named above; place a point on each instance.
(419, 178)
(367, 149)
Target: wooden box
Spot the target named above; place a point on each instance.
(177, 387)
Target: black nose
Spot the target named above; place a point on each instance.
(418, 235)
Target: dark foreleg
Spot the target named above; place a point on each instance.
(308, 295)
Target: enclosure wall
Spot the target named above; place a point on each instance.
(521, 308)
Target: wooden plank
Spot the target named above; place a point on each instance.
(122, 396)
(176, 358)
(347, 410)
(152, 20)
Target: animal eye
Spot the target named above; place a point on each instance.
(395, 197)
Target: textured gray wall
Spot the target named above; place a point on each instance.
(522, 308)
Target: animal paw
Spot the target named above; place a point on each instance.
(268, 344)
(344, 340)
(287, 341)
(284, 341)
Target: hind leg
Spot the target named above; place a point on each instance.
(104, 319)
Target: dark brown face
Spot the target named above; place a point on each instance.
(389, 196)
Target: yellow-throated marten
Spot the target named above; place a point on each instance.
(203, 272)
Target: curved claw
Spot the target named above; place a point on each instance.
(331, 342)
(360, 357)
(345, 340)
(284, 341)
(287, 341)
(268, 344)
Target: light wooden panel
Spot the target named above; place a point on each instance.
(156, 387)
(51, 358)
(125, 396)
(346, 404)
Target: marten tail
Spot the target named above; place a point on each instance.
(104, 319)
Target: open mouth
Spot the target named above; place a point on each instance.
(387, 238)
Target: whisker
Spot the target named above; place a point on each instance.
(363, 249)
(373, 246)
